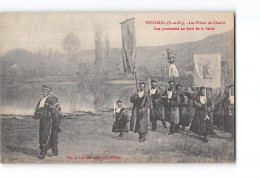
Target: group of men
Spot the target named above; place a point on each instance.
(176, 106)
(173, 105)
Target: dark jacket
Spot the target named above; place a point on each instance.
(157, 108)
(50, 118)
(140, 113)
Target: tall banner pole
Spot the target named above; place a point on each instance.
(165, 71)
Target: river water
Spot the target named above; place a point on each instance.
(21, 98)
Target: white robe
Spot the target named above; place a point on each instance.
(173, 71)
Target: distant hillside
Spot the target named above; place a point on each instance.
(222, 44)
(22, 65)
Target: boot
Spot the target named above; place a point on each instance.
(205, 139)
(121, 134)
(164, 124)
(154, 126)
(43, 151)
(172, 129)
(54, 149)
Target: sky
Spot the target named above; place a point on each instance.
(38, 31)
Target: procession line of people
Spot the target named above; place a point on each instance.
(175, 106)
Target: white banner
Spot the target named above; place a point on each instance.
(207, 70)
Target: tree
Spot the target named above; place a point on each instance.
(71, 43)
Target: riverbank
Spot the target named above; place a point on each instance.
(87, 138)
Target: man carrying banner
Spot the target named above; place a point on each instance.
(157, 108)
(172, 107)
(140, 112)
(207, 75)
(201, 122)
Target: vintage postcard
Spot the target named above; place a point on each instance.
(133, 87)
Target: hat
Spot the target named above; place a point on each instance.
(119, 101)
(141, 83)
(178, 85)
(154, 81)
(45, 86)
(185, 93)
(202, 88)
(170, 81)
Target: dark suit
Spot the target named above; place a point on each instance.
(50, 118)
(140, 114)
(157, 108)
(172, 110)
(199, 124)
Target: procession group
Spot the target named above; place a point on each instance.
(179, 107)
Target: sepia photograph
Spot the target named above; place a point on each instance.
(117, 87)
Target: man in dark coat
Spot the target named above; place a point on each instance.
(201, 123)
(121, 119)
(157, 107)
(49, 113)
(184, 113)
(228, 107)
(140, 112)
(172, 107)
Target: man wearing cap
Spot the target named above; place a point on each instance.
(121, 119)
(201, 122)
(49, 113)
(140, 112)
(157, 108)
(172, 107)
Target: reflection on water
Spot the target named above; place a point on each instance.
(21, 99)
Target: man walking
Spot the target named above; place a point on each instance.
(157, 108)
(49, 113)
(140, 112)
(172, 107)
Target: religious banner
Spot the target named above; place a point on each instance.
(207, 70)
(128, 44)
(96, 87)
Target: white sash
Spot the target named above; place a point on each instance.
(169, 94)
(203, 99)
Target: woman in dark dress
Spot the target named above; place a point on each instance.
(121, 119)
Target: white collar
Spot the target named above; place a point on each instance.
(170, 94)
(118, 109)
(141, 94)
(203, 99)
(153, 91)
(43, 100)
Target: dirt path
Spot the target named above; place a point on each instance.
(88, 139)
